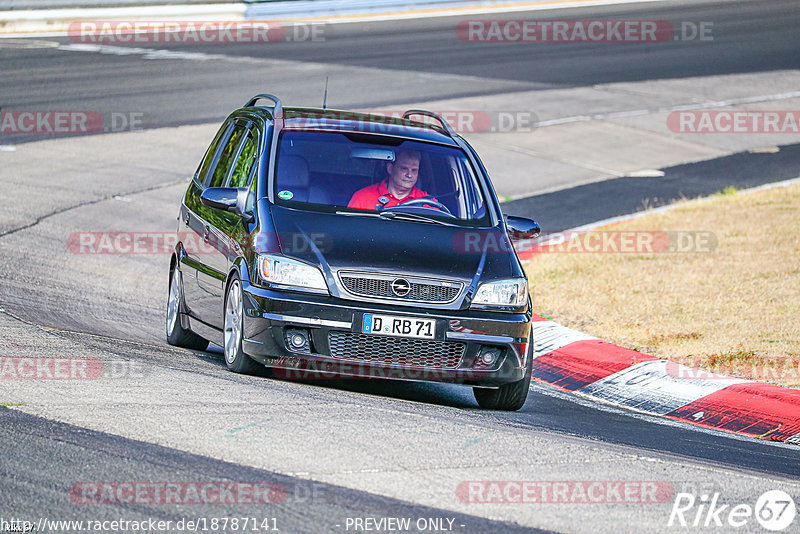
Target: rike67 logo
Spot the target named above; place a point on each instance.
(774, 510)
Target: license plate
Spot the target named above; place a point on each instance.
(390, 325)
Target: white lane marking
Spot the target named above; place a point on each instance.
(549, 336)
(154, 53)
(650, 387)
(667, 109)
(765, 150)
(27, 43)
(7, 148)
(646, 173)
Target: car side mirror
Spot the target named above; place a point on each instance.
(229, 199)
(521, 228)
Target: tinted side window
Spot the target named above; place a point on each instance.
(251, 198)
(211, 153)
(226, 158)
(245, 164)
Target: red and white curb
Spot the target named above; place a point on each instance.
(579, 363)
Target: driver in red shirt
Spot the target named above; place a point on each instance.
(396, 189)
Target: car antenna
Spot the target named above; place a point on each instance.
(325, 95)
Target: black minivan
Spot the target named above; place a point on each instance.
(324, 244)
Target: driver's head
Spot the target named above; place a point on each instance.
(404, 171)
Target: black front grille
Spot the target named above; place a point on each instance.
(402, 352)
(382, 287)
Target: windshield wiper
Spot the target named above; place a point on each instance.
(359, 214)
(395, 215)
(412, 217)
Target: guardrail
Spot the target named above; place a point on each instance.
(253, 6)
(9, 5)
(19, 17)
(48, 19)
(260, 9)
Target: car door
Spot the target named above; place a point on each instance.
(218, 228)
(233, 233)
(198, 299)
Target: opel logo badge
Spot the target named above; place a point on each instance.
(401, 287)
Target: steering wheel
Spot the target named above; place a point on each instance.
(422, 201)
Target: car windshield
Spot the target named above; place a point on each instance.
(358, 173)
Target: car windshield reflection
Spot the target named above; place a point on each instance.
(335, 171)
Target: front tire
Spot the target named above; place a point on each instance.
(235, 358)
(509, 397)
(176, 334)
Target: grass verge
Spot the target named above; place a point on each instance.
(718, 288)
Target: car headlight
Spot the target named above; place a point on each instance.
(283, 271)
(510, 293)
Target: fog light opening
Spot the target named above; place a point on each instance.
(298, 339)
(489, 356)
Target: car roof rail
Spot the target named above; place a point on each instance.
(445, 125)
(277, 109)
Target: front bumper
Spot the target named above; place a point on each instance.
(268, 313)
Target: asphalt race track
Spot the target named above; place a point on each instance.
(749, 37)
(341, 449)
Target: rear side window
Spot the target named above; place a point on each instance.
(227, 157)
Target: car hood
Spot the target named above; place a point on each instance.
(337, 242)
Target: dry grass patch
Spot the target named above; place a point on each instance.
(734, 311)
